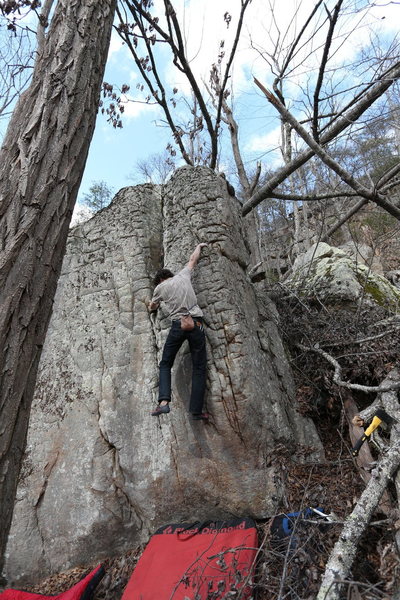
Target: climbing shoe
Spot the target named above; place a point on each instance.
(161, 410)
(201, 417)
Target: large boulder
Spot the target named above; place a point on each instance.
(100, 474)
(333, 277)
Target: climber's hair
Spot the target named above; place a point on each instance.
(161, 275)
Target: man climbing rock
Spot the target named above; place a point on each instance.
(177, 294)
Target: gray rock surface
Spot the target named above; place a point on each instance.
(100, 474)
(364, 254)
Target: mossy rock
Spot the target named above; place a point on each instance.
(331, 276)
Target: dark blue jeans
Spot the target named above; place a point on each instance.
(197, 345)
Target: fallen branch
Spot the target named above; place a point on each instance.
(371, 338)
(364, 459)
(338, 371)
(390, 403)
(344, 551)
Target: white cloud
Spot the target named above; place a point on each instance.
(266, 142)
(136, 107)
(81, 214)
(133, 77)
(116, 45)
(266, 146)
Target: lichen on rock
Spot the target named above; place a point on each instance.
(332, 277)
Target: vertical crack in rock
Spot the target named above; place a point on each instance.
(46, 474)
(231, 407)
(41, 549)
(117, 480)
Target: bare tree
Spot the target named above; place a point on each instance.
(42, 161)
(328, 109)
(141, 31)
(156, 168)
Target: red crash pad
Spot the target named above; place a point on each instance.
(81, 591)
(193, 561)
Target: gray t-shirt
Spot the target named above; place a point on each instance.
(178, 295)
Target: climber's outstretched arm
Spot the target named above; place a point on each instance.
(195, 255)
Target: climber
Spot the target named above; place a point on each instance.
(178, 297)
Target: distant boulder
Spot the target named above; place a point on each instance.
(332, 276)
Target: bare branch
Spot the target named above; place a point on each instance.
(339, 564)
(313, 197)
(333, 21)
(345, 218)
(159, 95)
(233, 130)
(338, 371)
(390, 186)
(221, 98)
(43, 24)
(358, 187)
(379, 86)
(181, 56)
(255, 178)
(371, 338)
(278, 80)
(173, 36)
(386, 177)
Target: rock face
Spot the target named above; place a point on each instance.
(332, 276)
(100, 474)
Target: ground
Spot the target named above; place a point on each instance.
(283, 572)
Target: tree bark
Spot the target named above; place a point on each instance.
(41, 166)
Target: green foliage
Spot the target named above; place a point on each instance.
(99, 196)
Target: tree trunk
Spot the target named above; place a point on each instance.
(41, 166)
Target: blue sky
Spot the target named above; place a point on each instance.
(114, 152)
